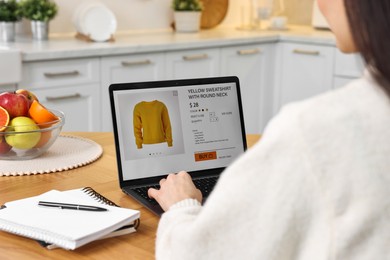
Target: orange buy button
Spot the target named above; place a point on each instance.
(205, 156)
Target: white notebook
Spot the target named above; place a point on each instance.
(64, 228)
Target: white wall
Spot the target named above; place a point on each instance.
(157, 14)
(130, 14)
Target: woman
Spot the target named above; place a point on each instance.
(317, 185)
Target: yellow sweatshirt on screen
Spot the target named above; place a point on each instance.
(151, 123)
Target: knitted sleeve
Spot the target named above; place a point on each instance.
(167, 126)
(137, 126)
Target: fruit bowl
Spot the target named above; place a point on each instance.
(24, 141)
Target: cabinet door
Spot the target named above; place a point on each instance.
(348, 65)
(339, 82)
(347, 68)
(130, 68)
(4, 88)
(304, 70)
(253, 65)
(79, 103)
(192, 63)
(60, 73)
(72, 86)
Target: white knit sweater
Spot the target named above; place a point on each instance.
(317, 186)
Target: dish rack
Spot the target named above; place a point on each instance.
(87, 38)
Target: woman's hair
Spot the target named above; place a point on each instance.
(370, 25)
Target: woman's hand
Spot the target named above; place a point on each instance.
(175, 188)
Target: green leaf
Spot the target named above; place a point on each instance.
(39, 10)
(10, 11)
(187, 5)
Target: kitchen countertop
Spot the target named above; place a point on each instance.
(67, 46)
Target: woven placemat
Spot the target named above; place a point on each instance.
(67, 152)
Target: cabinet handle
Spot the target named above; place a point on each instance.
(76, 95)
(61, 74)
(305, 52)
(196, 57)
(248, 52)
(135, 63)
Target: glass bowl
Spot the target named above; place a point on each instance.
(25, 144)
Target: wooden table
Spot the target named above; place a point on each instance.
(100, 175)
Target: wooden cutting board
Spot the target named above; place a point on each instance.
(214, 11)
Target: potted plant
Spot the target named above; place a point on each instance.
(40, 12)
(9, 15)
(187, 14)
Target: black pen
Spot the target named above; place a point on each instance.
(70, 206)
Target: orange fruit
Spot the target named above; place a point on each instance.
(4, 119)
(41, 115)
(45, 137)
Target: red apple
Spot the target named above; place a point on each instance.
(15, 104)
(4, 146)
(28, 94)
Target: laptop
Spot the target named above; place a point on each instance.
(163, 127)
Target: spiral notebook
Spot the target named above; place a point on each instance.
(63, 228)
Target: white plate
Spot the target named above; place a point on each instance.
(79, 12)
(97, 22)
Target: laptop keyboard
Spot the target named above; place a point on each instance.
(205, 185)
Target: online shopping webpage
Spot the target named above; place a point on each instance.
(167, 130)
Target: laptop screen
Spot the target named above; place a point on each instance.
(168, 126)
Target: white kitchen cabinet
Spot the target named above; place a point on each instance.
(80, 103)
(197, 63)
(347, 68)
(72, 86)
(7, 87)
(271, 73)
(129, 68)
(339, 82)
(302, 71)
(60, 73)
(253, 65)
